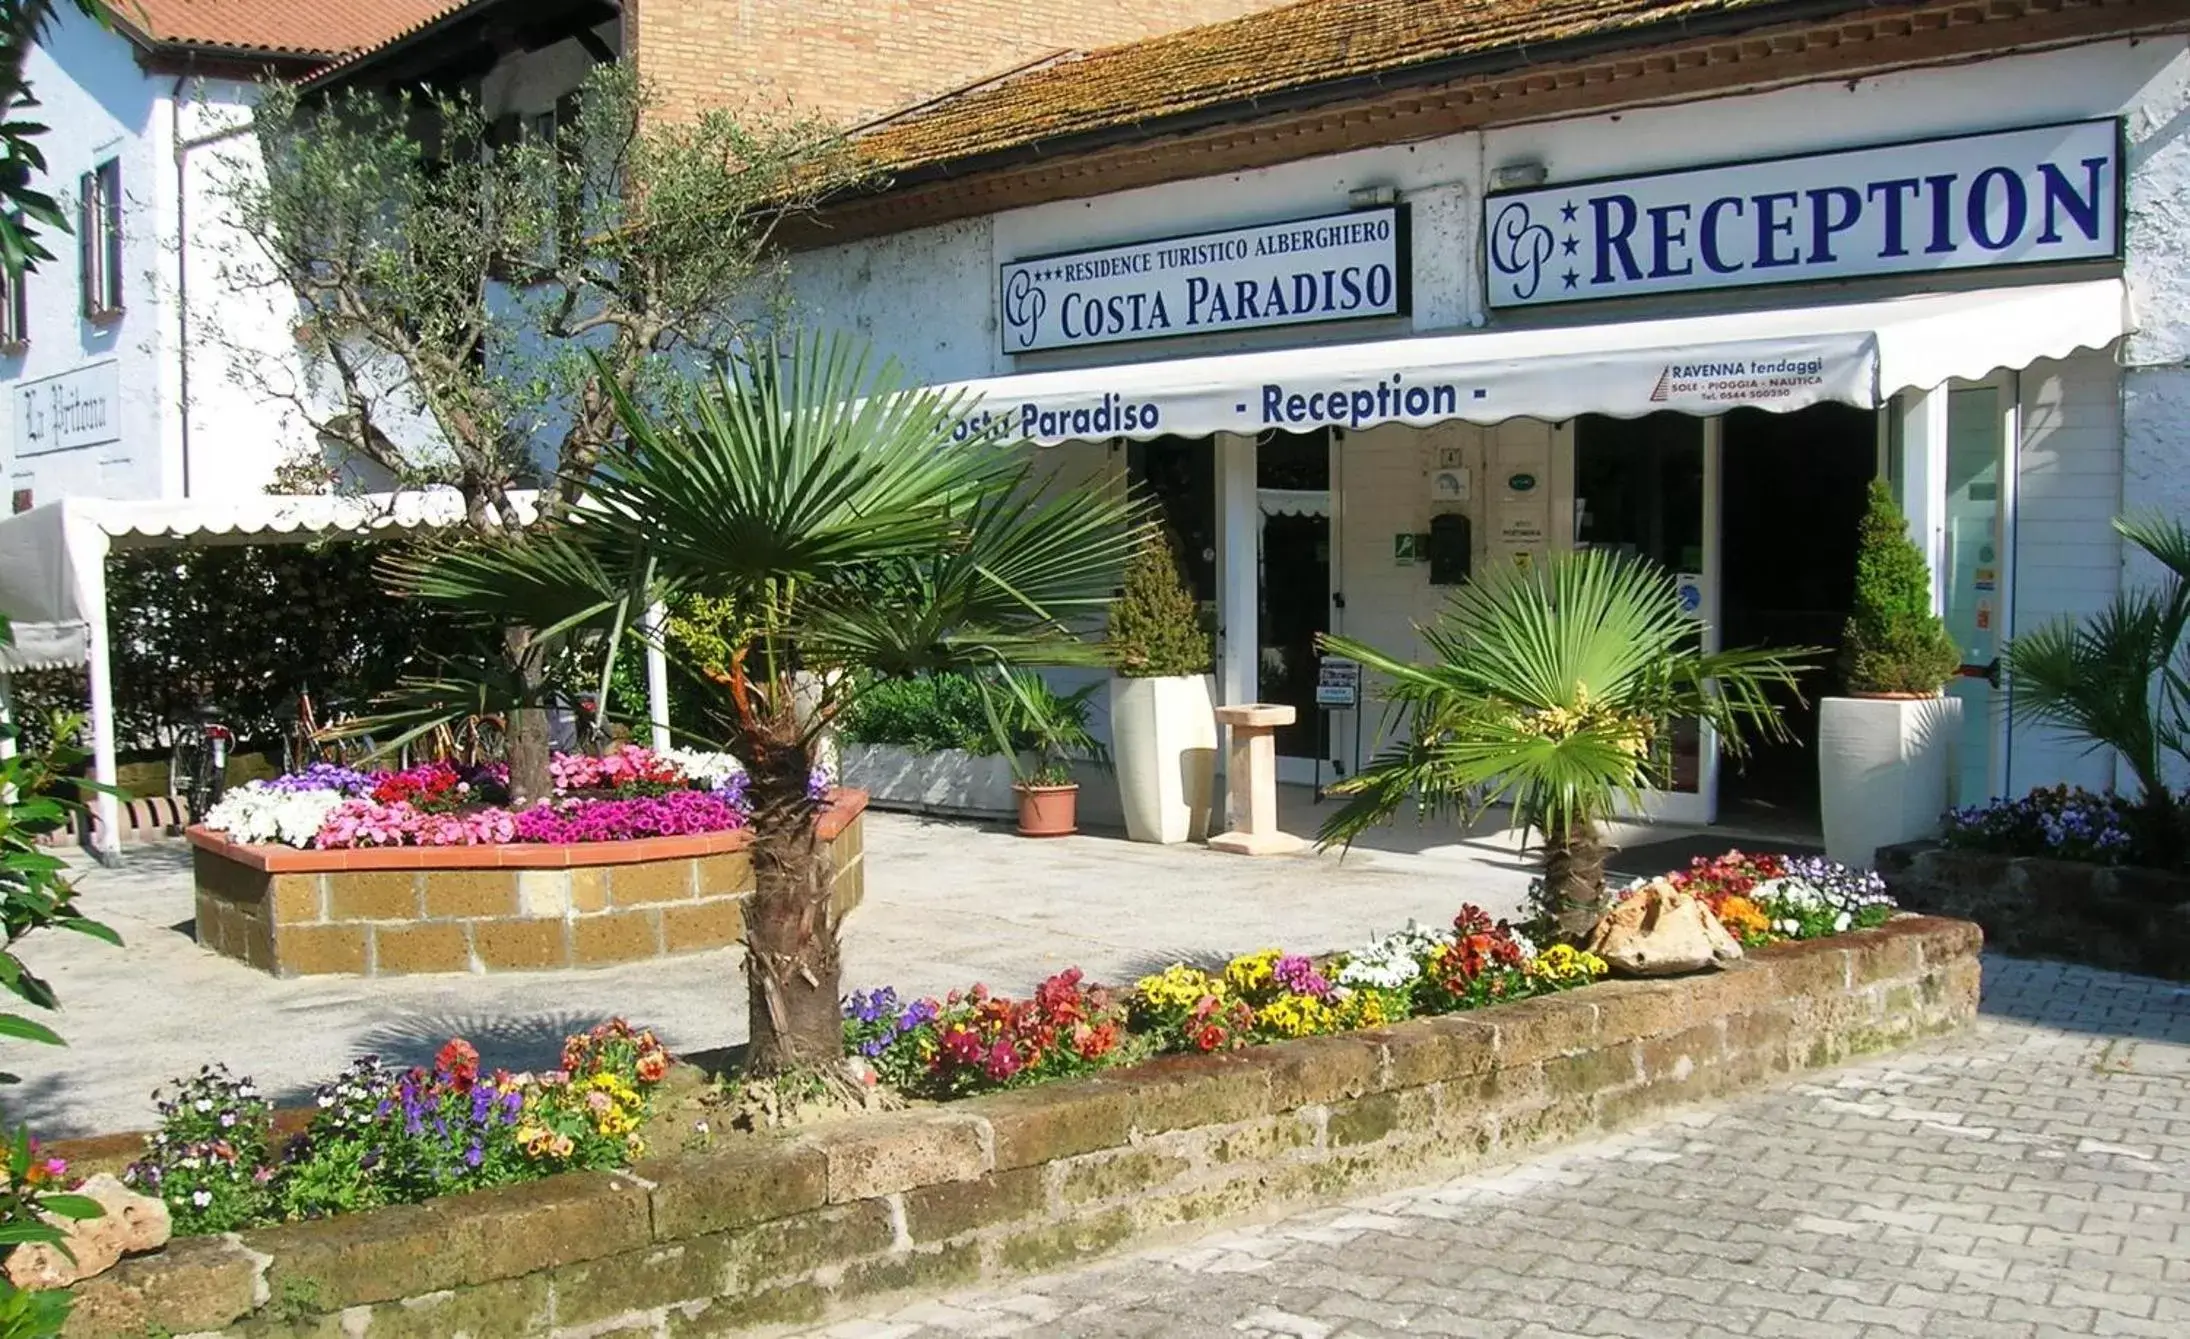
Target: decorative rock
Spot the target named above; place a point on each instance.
(1662, 931)
(132, 1224)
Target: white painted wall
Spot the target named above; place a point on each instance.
(99, 105)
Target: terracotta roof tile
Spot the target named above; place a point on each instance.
(1302, 44)
(279, 27)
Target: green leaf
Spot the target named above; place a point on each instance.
(77, 1207)
(23, 1029)
(96, 930)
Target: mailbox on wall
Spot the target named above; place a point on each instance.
(1452, 548)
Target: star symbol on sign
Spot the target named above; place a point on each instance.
(1568, 245)
(1571, 278)
(1567, 212)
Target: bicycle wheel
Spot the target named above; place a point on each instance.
(182, 764)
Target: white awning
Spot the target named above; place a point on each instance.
(47, 552)
(1779, 359)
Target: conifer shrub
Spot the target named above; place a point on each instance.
(1156, 627)
(1894, 643)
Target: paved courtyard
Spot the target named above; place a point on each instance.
(2028, 1178)
(947, 904)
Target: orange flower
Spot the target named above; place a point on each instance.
(1742, 918)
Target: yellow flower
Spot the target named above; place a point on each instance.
(1564, 962)
(1252, 971)
(1362, 1009)
(1297, 1016)
(1178, 987)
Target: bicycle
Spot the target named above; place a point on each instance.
(309, 740)
(197, 765)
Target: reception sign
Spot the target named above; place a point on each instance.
(1340, 267)
(2039, 196)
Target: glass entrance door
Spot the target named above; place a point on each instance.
(1977, 571)
(1293, 506)
(1646, 487)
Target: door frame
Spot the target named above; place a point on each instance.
(1700, 807)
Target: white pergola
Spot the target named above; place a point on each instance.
(53, 585)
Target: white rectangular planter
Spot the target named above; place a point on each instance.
(1163, 743)
(953, 781)
(1885, 771)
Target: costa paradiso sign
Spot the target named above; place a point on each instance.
(1339, 267)
(2044, 195)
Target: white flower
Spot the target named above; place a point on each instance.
(702, 765)
(256, 815)
(1393, 961)
(201, 1198)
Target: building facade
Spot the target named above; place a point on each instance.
(140, 368)
(1425, 303)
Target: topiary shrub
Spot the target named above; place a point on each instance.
(1156, 627)
(1894, 643)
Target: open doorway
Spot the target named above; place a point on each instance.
(1293, 498)
(1791, 493)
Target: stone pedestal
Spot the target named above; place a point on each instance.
(1251, 781)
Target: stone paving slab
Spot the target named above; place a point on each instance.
(947, 904)
(2028, 1178)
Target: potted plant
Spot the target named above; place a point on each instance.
(1044, 733)
(1884, 751)
(1163, 723)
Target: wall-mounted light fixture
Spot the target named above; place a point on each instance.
(1369, 197)
(1518, 174)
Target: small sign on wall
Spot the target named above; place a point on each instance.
(69, 411)
(1338, 683)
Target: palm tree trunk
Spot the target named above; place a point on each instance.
(528, 743)
(792, 957)
(1574, 889)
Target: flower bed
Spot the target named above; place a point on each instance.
(974, 1040)
(384, 1135)
(380, 910)
(2056, 823)
(625, 793)
(771, 1230)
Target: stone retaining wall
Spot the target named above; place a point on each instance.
(2120, 918)
(400, 910)
(763, 1231)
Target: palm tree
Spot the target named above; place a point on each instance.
(1551, 688)
(838, 531)
(2121, 678)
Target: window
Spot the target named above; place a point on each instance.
(99, 240)
(14, 313)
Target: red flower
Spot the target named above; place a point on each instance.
(458, 1064)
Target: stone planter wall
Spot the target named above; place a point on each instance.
(951, 782)
(2119, 918)
(772, 1230)
(400, 910)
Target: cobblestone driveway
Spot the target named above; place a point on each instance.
(2029, 1178)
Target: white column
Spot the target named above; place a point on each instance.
(657, 673)
(88, 557)
(1239, 571)
(7, 735)
(1924, 479)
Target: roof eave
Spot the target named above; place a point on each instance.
(1499, 61)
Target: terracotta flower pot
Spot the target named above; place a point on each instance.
(1048, 811)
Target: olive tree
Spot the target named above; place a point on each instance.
(473, 295)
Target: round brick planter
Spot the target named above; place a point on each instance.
(400, 910)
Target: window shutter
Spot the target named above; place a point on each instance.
(87, 249)
(111, 198)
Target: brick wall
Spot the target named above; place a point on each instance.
(404, 910)
(852, 61)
